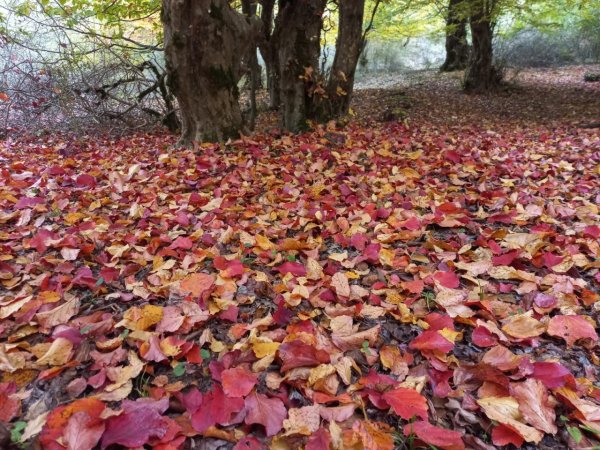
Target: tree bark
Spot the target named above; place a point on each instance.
(457, 49)
(298, 31)
(481, 75)
(268, 51)
(349, 46)
(203, 43)
(249, 9)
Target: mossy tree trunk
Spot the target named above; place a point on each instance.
(481, 75)
(203, 43)
(297, 33)
(457, 48)
(349, 45)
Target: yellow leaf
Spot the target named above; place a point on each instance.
(523, 326)
(262, 349)
(58, 354)
(142, 319)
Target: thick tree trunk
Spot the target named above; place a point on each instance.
(298, 31)
(457, 49)
(348, 47)
(481, 75)
(203, 43)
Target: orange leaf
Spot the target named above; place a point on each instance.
(197, 283)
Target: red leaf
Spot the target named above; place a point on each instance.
(407, 403)
(298, 354)
(233, 269)
(182, 242)
(216, 408)
(550, 259)
(431, 340)
(269, 412)
(319, 440)
(453, 156)
(482, 337)
(436, 436)
(9, 404)
(504, 435)
(552, 374)
(592, 231)
(28, 202)
(58, 419)
(140, 421)
(414, 287)
(238, 382)
(250, 443)
(85, 180)
(572, 328)
(82, 431)
(447, 279)
(296, 269)
(42, 240)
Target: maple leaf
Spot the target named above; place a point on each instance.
(572, 328)
(407, 403)
(269, 412)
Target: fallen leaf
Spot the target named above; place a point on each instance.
(269, 412)
(407, 403)
(572, 328)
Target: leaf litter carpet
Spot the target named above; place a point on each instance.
(433, 283)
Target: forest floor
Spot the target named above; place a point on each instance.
(428, 282)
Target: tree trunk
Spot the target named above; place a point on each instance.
(268, 51)
(249, 9)
(298, 31)
(457, 49)
(481, 75)
(348, 47)
(203, 43)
